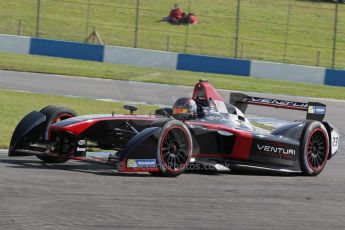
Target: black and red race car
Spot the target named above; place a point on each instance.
(218, 134)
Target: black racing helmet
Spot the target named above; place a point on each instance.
(184, 108)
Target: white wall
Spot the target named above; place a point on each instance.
(279, 71)
(15, 44)
(140, 57)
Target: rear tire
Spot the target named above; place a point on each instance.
(54, 114)
(314, 149)
(174, 149)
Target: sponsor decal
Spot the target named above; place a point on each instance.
(141, 163)
(317, 110)
(82, 142)
(214, 117)
(81, 147)
(276, 152)
(131, 163)
(278, 102)
(334, 141)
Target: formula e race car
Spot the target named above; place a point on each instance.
(200, 131)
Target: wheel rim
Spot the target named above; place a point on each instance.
(61, 117)
(175, 148)
(317, 149)
(58, 118)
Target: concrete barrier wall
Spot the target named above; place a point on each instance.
(335, 77)
(169, 60)
(279, 71)
(74, 50)
(15, 44)
(200, 63)
(140, 57)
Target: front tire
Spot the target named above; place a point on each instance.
(314, 149)
(174, 149)
(54, 114)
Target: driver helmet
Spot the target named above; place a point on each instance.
(184, 108)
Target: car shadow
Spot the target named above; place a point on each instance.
(75, 166)
(108, 170)
(246, 171)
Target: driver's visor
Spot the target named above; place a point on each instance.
(179, 110)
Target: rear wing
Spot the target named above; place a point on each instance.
(315, 110)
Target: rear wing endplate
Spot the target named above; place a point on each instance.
(315, 110)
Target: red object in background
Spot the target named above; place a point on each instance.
(193, 19)
(176, 13)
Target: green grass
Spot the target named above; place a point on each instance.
(14, 105)
(125, 72)
(263, 32)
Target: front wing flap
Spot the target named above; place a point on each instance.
(29, 129)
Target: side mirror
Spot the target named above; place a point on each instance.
(131, 108)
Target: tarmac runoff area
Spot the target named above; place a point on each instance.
(78, 195)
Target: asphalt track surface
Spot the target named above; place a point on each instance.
(79, 195)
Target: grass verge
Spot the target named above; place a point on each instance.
(294, 31)
(125, 72)
(14, 105)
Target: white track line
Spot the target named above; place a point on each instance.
(3, 151)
